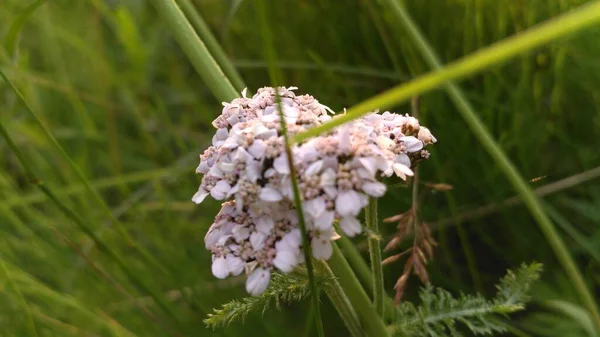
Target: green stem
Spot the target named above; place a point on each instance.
(212, 44)
(577, 19)
(370, 320)
(196, 50)
(342, 304)
(375, 255)
(546, 31)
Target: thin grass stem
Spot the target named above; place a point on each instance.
(276, 80)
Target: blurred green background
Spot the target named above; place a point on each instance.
(109, 81)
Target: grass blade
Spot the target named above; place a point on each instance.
(577, 19)
(375, 255)
(196, 50)
(492, 147)
(79, 174)
(32, 178)
(212, 44)
(31, 325)
(12, 37)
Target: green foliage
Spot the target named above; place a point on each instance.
(282, 288)
(440, 313)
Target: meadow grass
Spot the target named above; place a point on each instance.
(112, 86)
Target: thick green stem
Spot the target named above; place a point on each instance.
(375, 255)
(342, 304)
(577, 19)
(486, 140)
(372, 324)
(212, 44)
(194, 47)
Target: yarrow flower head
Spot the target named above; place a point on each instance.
(257, 229)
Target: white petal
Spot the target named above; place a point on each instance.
(314, 207)
(385, 143)
(331, 191)
(226, 167)
(219, 268)
(215, 171)
(350, 225)
(328, 177)
(324, 221)
(240, 232)
(200, 196)
(412, 144)
(220, 190)
(281, 164)
(235, 265)
(253, 171)
(348, 203)
(269, 194)
(403, 159)
(321, 247)
(257, 239)
(345, 143)
(402, 171)
(374, 188)
(212, 237)
(313, 168)
(258, 281)
(285, 261)
(203, 168)
(264, 224)
(257, 149)
(370, 164)
(233, 119)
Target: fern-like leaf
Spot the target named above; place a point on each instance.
(442, 314)
(282, 288)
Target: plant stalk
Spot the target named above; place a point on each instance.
(196, 50)
(375, 255)
(369, 318)
(486, 140)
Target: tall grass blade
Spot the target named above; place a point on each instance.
(492, 147)
(212, 44)
(12, 36)
(568, 23)
(131, 276)
(196, 50)
(149, 258)
(29, 317)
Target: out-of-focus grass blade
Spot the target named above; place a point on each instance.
(149, 258)
(575, 312)
(12, 37)
(31, 322)
(577, 19)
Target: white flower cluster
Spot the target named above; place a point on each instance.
(257, 229)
